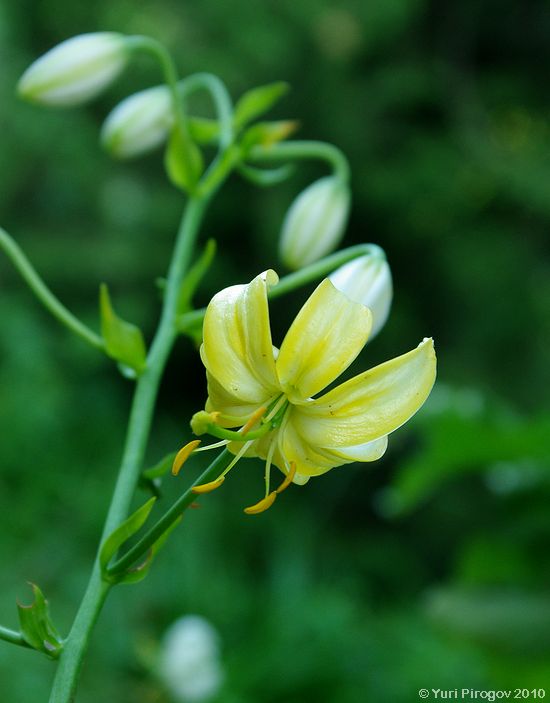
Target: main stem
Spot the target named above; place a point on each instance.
(139, 425)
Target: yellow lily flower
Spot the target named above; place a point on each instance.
(272, 394)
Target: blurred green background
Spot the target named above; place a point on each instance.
(428, 568)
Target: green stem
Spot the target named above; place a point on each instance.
(168, 67)
(13, 637)
(169, 518)
(313, 272)
(44, 295)
(139, 425)
(285, 151)
(220, 96)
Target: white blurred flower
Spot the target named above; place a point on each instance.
(315, 222)
(76, 70)
(139, 123)
(189, 660)
(367, 280)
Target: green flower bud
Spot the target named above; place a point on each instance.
(367, 280)
(315, 222)
(139, 123)
(76, 70)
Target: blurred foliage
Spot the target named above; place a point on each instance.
(426, 569)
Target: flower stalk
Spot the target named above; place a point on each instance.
(70, 661)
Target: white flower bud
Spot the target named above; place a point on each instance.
(139, 123)
(367, 280)
(76, 70)
(189, 663)
(315, 222)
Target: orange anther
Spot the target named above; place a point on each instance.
(262, 505)
(207, 487)
(184, 454)
(288, 478)
(253, 419)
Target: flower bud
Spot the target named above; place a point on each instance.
(139, 123)
(315, 222)
(367, 280)
(75, 71)
(189, 661)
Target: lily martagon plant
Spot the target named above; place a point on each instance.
(272, 395)
(263, 401)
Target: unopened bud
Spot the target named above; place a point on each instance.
(139, 123)
(76, 70)
(315, 222)
(367, 280)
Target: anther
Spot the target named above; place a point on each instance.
(288, 478)
(207, 487)
(184, 454)
(253, 419)
(262, 505)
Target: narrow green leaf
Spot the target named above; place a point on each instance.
(195, 276)
(123, 340)
(122, 533)
(37, 627)
(256, 101)
(183, 161)
(139, 572)
(267, 133)
(161, 468)
(204, 130)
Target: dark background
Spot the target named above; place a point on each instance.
(428, 568)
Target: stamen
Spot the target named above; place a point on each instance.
(275, 409)
(184, 454)
(268, 461)
(207, 487)
(236, 458)
(253, 419)
(216, 445)
(261, 505)
(288, 478)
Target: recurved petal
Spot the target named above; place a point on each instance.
(237, 348)
(368, 451)
(370, 405)
(328, 333)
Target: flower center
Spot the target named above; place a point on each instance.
(263, 420)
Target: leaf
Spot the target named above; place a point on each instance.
(139, 572)
(161, 468)
(256, 101)
(37, 627)
(204, 130)
(123, 340)
(183, 161)
(121, 534)
(267, 133)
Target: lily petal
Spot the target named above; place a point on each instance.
(310, 460)
(370, 405)
(328, 333)
(220, 400)
(237, 348)
(368, 451)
